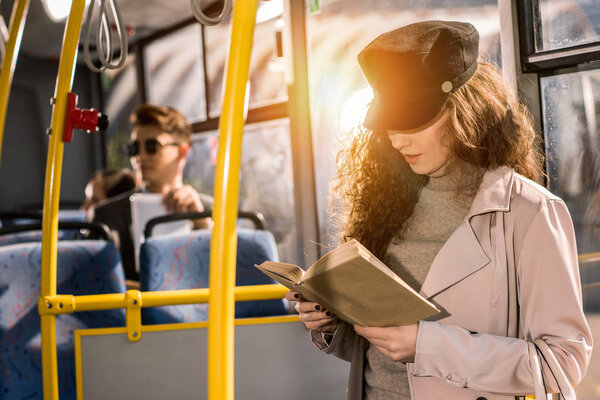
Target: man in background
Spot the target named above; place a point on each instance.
(158, 148)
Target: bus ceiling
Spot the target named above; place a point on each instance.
(45, 23)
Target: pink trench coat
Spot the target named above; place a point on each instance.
(507, 275)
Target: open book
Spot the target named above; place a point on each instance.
(354, 285)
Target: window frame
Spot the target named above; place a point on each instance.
(541, 61)
(536, 65)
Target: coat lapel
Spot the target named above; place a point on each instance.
(462, 254)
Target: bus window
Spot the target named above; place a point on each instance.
(567, 23)
(571, 106)
(571, 110)
(120, 91)
(339, 92)
(267, 84)
(175, 73)
(266, 182)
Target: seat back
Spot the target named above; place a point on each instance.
(172, 262)
(67, 230)
(84, 267)
(34, 217)
(25, 237)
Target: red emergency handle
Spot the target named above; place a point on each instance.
(89, 120)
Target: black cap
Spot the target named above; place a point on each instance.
(413, 70)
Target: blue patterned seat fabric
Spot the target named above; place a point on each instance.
(182, 262)
(84, 267)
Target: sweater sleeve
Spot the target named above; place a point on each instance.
(549, 294)
(340, 345)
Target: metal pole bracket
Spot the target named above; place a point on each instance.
(57, 304)
(133, 315)
(89, 120)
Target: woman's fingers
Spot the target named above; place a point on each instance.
(372, 332)
(385, 352)
(294, 296)
(313, 315)
(307, 307)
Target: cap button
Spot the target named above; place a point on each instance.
(446, 87)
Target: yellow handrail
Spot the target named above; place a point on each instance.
(588, 258)
(224, 239)
(64, 82)
(65, 303)
(15, 34)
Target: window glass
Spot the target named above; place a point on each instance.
(120, 91)
(566, 23)
(175, 72)
(267, 84)
(571, 110)
(340, 94)
(266, 181)
(571, 106)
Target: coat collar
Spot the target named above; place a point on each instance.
(462, 254)
(494, 192)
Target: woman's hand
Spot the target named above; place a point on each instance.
(398, 343)
(314, 316)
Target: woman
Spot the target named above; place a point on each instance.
(106, 184)
(440, 187)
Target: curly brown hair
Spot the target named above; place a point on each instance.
(488, 128)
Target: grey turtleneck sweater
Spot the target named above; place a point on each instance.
(442, 206)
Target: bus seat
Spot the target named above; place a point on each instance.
(84, 267)
(28, 217)
(72, 215)
(67, 230)
(25, 237)
(171, 262)
(33, 217)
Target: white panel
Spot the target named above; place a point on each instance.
(273, 361)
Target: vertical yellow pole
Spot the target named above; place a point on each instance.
(15, 33)
(224, 239)
(64, 81)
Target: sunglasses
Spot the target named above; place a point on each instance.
(152, 146)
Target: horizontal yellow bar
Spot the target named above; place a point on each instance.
(279, 319)
(174, 297)
(259, 292)
(100, 302)
(155, 299)
(589, 257)
(191, 296)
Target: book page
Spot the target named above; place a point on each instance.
(347, 252)
(286, 274)
(338, 255)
